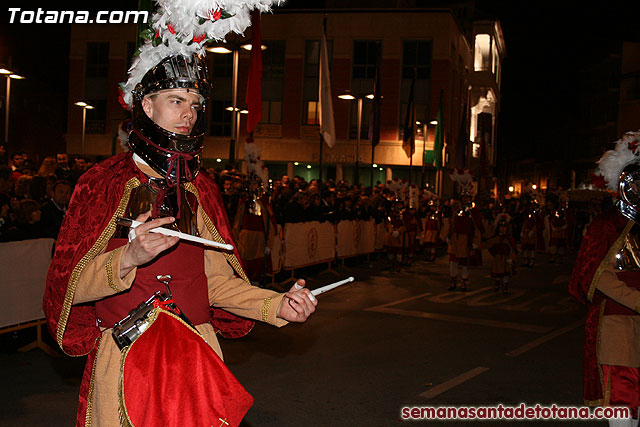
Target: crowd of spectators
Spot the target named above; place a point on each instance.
(34, 198)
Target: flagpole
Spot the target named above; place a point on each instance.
(373, 150)
(324, 31)
(320, 173)
(325, 106)
(413, 132)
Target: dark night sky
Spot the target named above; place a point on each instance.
(547, 42)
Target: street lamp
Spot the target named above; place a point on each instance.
(350, 97)
(234, 48)
(8, 75)
(84, 107)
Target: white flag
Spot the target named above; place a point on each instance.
(325, 107)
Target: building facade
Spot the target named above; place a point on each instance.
(455, 75)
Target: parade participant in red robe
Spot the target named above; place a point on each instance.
(528, 239)
(503, 248)
(165, 368)
(431, 232)
(606, 278)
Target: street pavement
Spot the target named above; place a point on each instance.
(387, 341)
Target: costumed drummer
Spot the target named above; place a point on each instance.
(98, 275)
(606, 277)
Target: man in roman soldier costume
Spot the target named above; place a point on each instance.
(528, 237)
(463, 238)
(255, 229)
(606, 277)
(502, 247)
(557, 234)
(145, 307)
(395, 237)
(431, 230)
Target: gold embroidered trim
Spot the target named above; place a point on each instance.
(613, 250)
(88, 418)
(266, 305)
(231, 257)
(125, 421)
(597, 402)
(96, 249)
(109, 267)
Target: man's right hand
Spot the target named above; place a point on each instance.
(146, 246)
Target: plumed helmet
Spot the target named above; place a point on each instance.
(629, 192)
(173, 155)
(171, 57)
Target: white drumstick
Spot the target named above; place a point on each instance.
(324, 289)
(131, 223)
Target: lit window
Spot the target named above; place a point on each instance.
(482, 58)
(475, 150)
(312, 113)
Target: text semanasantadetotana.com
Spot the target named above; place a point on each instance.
(521, 412)
(41, 16)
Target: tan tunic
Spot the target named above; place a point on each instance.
(226, 291)
(619, 335)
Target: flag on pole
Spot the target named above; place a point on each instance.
(461, 146)
(254, 82)
(409, 138)
(374, 120)
(439, 138)
(325, 102)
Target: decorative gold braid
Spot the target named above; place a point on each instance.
(614, 249)
(109, 267)
(88, 418)
(266, 305)
(96, 249)
(605, 393)
(125, 421)
(231, 257)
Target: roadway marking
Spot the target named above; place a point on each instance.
(459, 319)
(399, 301)
(453, 382)
(535, 343)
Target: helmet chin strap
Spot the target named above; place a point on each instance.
(178, 162)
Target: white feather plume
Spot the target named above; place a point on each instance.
(464, 178)
(254, 163)
(614, 161)
(185, 26)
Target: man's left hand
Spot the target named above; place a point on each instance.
(298, 303)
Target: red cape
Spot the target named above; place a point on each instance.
(601, 235)
(102, 194)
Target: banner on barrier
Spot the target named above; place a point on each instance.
(348, 238)
(355, 238)
(367, 236)
(307, 243)
(24, 266)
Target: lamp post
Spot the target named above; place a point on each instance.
(84, 107)
(233, 48)
(236, 120)
(350, 97)
(425, 138)
(8, 75)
